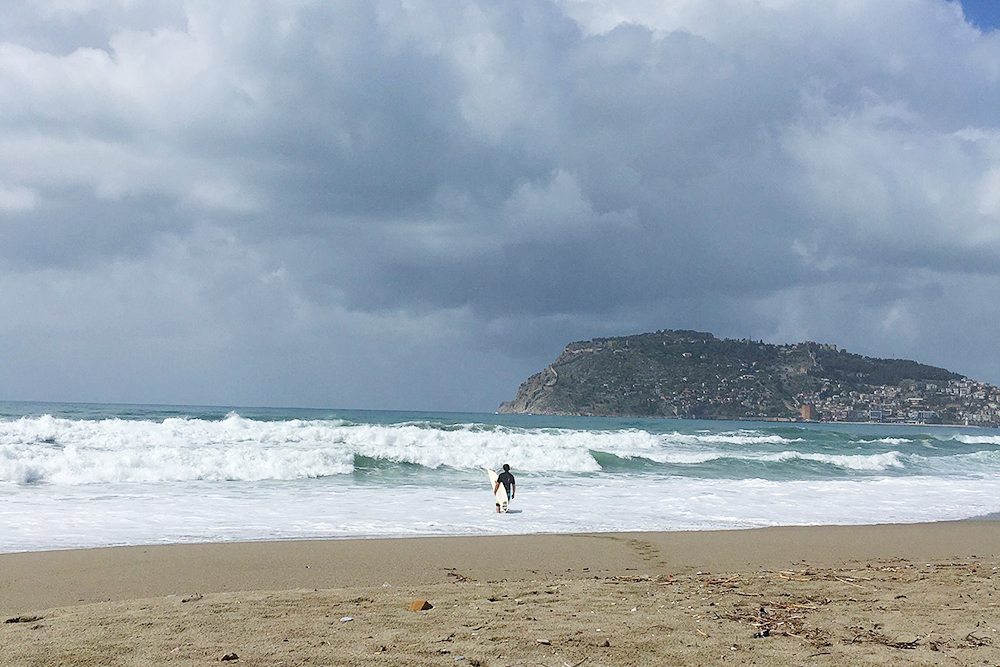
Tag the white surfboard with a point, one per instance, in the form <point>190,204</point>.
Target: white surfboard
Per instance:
<point>501,493</point>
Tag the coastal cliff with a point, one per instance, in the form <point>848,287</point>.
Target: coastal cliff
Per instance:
<point>693,374</point>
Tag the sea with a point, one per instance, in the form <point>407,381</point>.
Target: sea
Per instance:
<point>80,475</point>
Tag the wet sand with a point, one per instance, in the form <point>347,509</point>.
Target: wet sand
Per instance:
<point>831,595</point>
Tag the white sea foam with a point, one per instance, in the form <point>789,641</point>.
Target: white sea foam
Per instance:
<point>869,462</point>
<point>882,461</point>
<point>319,509</point>
<point>69,452</point>
<point>72,483</point>
<point>64,451</point>
<point>740,438</point>
<point>978,439</point>
<point>894,441</point>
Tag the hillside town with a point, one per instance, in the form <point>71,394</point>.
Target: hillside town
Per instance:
<point>963,401</point>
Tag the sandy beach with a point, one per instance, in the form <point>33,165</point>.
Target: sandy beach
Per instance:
<point>858,595</point>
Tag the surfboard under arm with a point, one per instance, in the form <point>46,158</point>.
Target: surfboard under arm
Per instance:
<point>501,492</point>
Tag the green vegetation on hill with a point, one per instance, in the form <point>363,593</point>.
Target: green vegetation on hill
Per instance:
<point>693,374</point>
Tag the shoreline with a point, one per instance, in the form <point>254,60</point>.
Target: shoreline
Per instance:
<point>47,579</point>
<point>759,420</point>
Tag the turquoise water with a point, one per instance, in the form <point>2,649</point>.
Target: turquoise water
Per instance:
<point>91,475</point>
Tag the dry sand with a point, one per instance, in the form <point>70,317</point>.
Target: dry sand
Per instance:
<point>863,595</point>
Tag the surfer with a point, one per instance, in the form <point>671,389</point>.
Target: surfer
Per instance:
<point>507,480</point>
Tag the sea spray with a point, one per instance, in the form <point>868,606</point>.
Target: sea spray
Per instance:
<point>78,476</point>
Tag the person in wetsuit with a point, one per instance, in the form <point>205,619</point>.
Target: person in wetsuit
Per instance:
<point>507,480</point>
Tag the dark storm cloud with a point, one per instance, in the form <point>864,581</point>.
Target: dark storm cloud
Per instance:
<point>328,203</point>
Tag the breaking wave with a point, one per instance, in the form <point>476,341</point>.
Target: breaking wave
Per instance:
<point>46,449</point>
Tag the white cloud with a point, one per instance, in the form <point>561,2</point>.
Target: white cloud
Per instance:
<point>989,194</point>
<point>224,194</point>
<point>555,210</point>
<point>16,199</point>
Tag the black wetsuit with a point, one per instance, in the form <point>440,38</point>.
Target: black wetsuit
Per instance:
<point>507,480</point>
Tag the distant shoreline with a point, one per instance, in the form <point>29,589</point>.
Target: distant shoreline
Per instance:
<point>762,420</point>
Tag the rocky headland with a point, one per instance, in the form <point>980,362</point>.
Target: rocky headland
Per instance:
<point>691,374</point>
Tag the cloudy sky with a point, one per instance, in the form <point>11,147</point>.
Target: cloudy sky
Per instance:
<point>415,204</point>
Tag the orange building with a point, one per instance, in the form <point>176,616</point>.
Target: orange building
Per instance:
<point>809,413</point>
